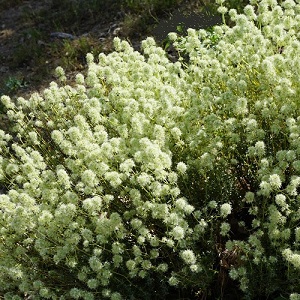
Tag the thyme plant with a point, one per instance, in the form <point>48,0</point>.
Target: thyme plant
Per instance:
<point>148,176</point>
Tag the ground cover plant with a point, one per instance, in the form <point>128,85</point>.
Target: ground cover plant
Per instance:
<point>148,178</point>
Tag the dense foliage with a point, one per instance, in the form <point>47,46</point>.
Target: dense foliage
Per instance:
<point>149,176</point>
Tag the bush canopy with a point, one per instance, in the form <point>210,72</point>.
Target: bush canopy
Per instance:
<point>146,177</point>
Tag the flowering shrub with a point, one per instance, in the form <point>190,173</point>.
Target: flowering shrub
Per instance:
<point>148,176</point>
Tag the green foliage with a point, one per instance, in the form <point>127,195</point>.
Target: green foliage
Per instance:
<point>148,177</point>
<point>13,84</point>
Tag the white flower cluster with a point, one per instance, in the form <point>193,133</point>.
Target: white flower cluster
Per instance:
<point>93,157</point>
<point>245,96</point>
<point>126,175</point>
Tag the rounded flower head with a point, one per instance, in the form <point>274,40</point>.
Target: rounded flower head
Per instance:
<point>275,181</point>
<point>178,232</point>
<point>225,227</point>
<point>225,209</point>
<point>260,148</point>
<point>181,167</point>
<point>172,36</point>
<point>90,58</point>
<point>188,257</point>
<point>88,177</point>
<point>173,281</point>
<point>60,73</point>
